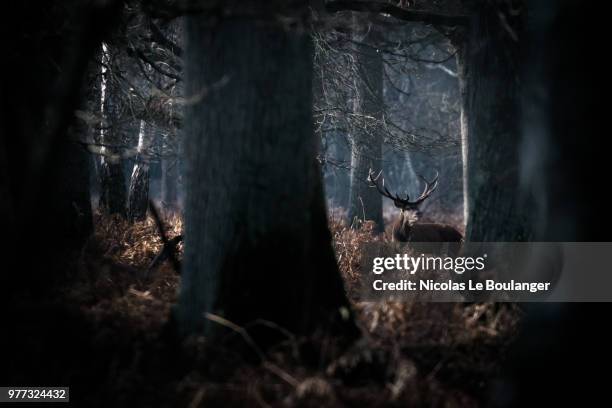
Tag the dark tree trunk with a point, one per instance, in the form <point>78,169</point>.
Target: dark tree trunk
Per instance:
<point>490,87</point>
<point>567,165</point>
<point>448,200</point>
<point>46,178</point>
<point>337,176</point>
<point>74,165</point>
<point>72,204</point>
<point>366,141</point>
<point>71,207</point>
<point>112,186</point>
<point>334,151</point>
<point>257,244</point>
<point>568,116</point>
<point>43,169</point>
<point>138,197</point>
<point>172,151</point>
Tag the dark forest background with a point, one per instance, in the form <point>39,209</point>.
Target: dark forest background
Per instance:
<point>184,194</point>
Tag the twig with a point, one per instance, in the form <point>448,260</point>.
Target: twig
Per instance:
<point>165,252</point>
<point>397,12</point>
<point>273,368</point>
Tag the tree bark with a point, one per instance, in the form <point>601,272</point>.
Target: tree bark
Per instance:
<point>366,141</point>
<point>113,194</point>
<point>113,191</point>
<point>138,198</point>
<point>337,177</point>
<point>257,244</point>
<point>489,69</point>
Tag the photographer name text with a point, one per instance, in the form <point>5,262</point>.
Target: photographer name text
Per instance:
<point>410,265</point>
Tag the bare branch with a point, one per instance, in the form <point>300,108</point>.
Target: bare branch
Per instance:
<point>397,12</point>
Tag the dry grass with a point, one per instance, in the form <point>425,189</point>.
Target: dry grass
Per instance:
<point>348,243</point>
<point>114,282</point>
<point>416,323</point>
<point>413,353</point>
<point>133,244</point>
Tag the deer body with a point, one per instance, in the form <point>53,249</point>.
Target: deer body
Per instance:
<point>405,229</point>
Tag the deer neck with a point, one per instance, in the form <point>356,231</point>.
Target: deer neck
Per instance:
<point>404,221</point>
<point>407,219</point>
<point>403,226</point>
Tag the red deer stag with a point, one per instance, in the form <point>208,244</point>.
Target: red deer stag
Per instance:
<point>406,228</point>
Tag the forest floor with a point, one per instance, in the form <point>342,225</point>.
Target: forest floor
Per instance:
<point>107,336</point>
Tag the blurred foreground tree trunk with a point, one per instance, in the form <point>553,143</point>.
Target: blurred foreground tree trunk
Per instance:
<point>72,205</point>
<point>43,167</point>
<point>566,164</point>
<point>257,244</point>
<point>365,203</point>
<point>489,70</point>
<point>138,197</point>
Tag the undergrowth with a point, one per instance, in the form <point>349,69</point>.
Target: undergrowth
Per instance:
<point>412,354</point>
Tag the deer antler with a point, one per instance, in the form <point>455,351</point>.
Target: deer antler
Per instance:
<point>384,191</point>
<point>430,186</point>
